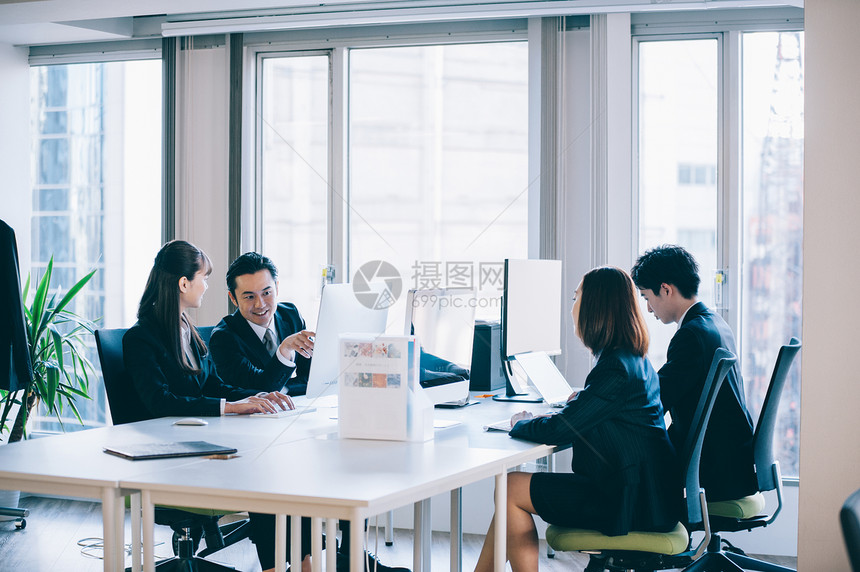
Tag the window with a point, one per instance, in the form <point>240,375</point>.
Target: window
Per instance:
<point>682,194</point>
<point>96,191</point>
<point>773,222</point>
<point>678,142</point>
<point>293,128</point>
<point>438,163</point>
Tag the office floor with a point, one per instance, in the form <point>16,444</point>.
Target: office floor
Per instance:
<point>57,528</point>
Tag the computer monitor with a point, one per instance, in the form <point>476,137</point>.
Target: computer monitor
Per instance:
<point>443,320</point>
<point>340,313</point>
<point>531,316</point>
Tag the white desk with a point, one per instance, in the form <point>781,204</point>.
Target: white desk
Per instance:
<point>338,479</point>
<point>348,479</point>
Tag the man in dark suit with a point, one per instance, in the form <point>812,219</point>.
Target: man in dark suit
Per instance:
<point>263,345</point>
<point>668,278</point>
<point>260,346</point>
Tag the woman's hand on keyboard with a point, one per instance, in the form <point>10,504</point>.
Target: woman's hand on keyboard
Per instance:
<point>522,415</point>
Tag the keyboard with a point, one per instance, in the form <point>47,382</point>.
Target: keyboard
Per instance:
<point>286,413</point>
<point>503,425</point>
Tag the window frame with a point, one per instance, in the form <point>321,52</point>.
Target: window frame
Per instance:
<point>338,43</point>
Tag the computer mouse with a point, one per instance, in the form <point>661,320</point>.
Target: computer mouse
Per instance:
<point>191,421</point>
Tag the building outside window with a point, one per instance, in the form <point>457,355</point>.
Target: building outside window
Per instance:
<point>96,196</point>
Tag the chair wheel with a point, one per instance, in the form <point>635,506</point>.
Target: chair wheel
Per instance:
<point>22,524</point>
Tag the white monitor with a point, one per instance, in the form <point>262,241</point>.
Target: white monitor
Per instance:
<point>443,320</point>
<point>531,317</point>
<point>531,307</point>
<point>340,313</point>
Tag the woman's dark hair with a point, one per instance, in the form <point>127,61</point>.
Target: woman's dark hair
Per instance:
<point>609,313</point>
<point>160,301</point>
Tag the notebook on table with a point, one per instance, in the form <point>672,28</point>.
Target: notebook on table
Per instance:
<point>140,451</point>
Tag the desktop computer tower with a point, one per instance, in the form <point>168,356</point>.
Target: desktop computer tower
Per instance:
<point>487,373</point>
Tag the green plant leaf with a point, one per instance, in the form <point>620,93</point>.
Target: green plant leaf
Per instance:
<point>37,309</point>
<point>50,396</point>
<point>57,339</point>
<point>73,291</point>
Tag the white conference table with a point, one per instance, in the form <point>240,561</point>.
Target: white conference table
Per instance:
<point>325,477</point>
<point>337,479</point>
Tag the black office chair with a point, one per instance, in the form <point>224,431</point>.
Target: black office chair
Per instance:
<point>850,518</point>
<point>189,525</point>
<point>657,550</point>
<point>745,513</point>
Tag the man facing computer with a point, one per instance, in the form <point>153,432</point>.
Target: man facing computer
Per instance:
<point>668,279</point>
<point>264,345</point>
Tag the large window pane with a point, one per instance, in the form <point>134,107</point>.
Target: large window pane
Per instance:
<point>96,157</point>
<point>294,156</point>
<point>438,163</point>
<point>678,142</point>
<point>773,222</point>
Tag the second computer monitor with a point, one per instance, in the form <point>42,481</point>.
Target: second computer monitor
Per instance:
<point>531,307</point>
<point>443,320</point>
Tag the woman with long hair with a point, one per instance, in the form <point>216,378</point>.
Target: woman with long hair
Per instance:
<point>164,354</point>
<point>625,475</point>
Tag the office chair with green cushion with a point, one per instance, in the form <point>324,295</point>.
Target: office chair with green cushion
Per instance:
<point>849,516</point>
<point>746,513</point>
<point>658,550</point>
<point>188,524</point>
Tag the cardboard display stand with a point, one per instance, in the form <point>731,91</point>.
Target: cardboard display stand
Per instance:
<point>379,393</point>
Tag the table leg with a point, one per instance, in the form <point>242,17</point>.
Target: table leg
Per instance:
<point>135,532</point>
<point>501,533</point>
<point>109,528</point>
<point>280,543</point>
<point>316,545</point>
<point>457,530</point>
<point>550,468</point>
<point>389,528</point>
<point>119,523</point>
<point>356,542</point>
<point>148,510</point>
<point>422,531</point>
<point>331,544</point>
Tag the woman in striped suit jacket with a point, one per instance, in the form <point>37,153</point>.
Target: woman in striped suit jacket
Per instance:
<point>625,474</point>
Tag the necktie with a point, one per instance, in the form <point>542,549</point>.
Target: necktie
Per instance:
<point>269,342</point>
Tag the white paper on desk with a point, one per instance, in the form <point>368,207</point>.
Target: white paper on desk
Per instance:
<point>375,373</point>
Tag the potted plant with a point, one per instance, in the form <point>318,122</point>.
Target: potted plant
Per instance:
<point>61,370</point>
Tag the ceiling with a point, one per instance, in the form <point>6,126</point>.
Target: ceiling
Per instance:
<point>34,22</point>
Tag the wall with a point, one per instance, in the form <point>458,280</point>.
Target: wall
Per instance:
<point>830,392</point>
<point>201,165</point>
<point>15,147</point>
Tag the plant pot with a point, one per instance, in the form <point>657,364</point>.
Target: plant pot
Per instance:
<point>9,499</point>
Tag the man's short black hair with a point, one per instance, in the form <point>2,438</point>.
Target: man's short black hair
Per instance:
<point>249,263</point>
<point>667,264</point>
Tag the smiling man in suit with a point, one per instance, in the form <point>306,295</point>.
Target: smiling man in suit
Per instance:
<point>263,345</point>
<point>260,346</point>
<point>668,279</point>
